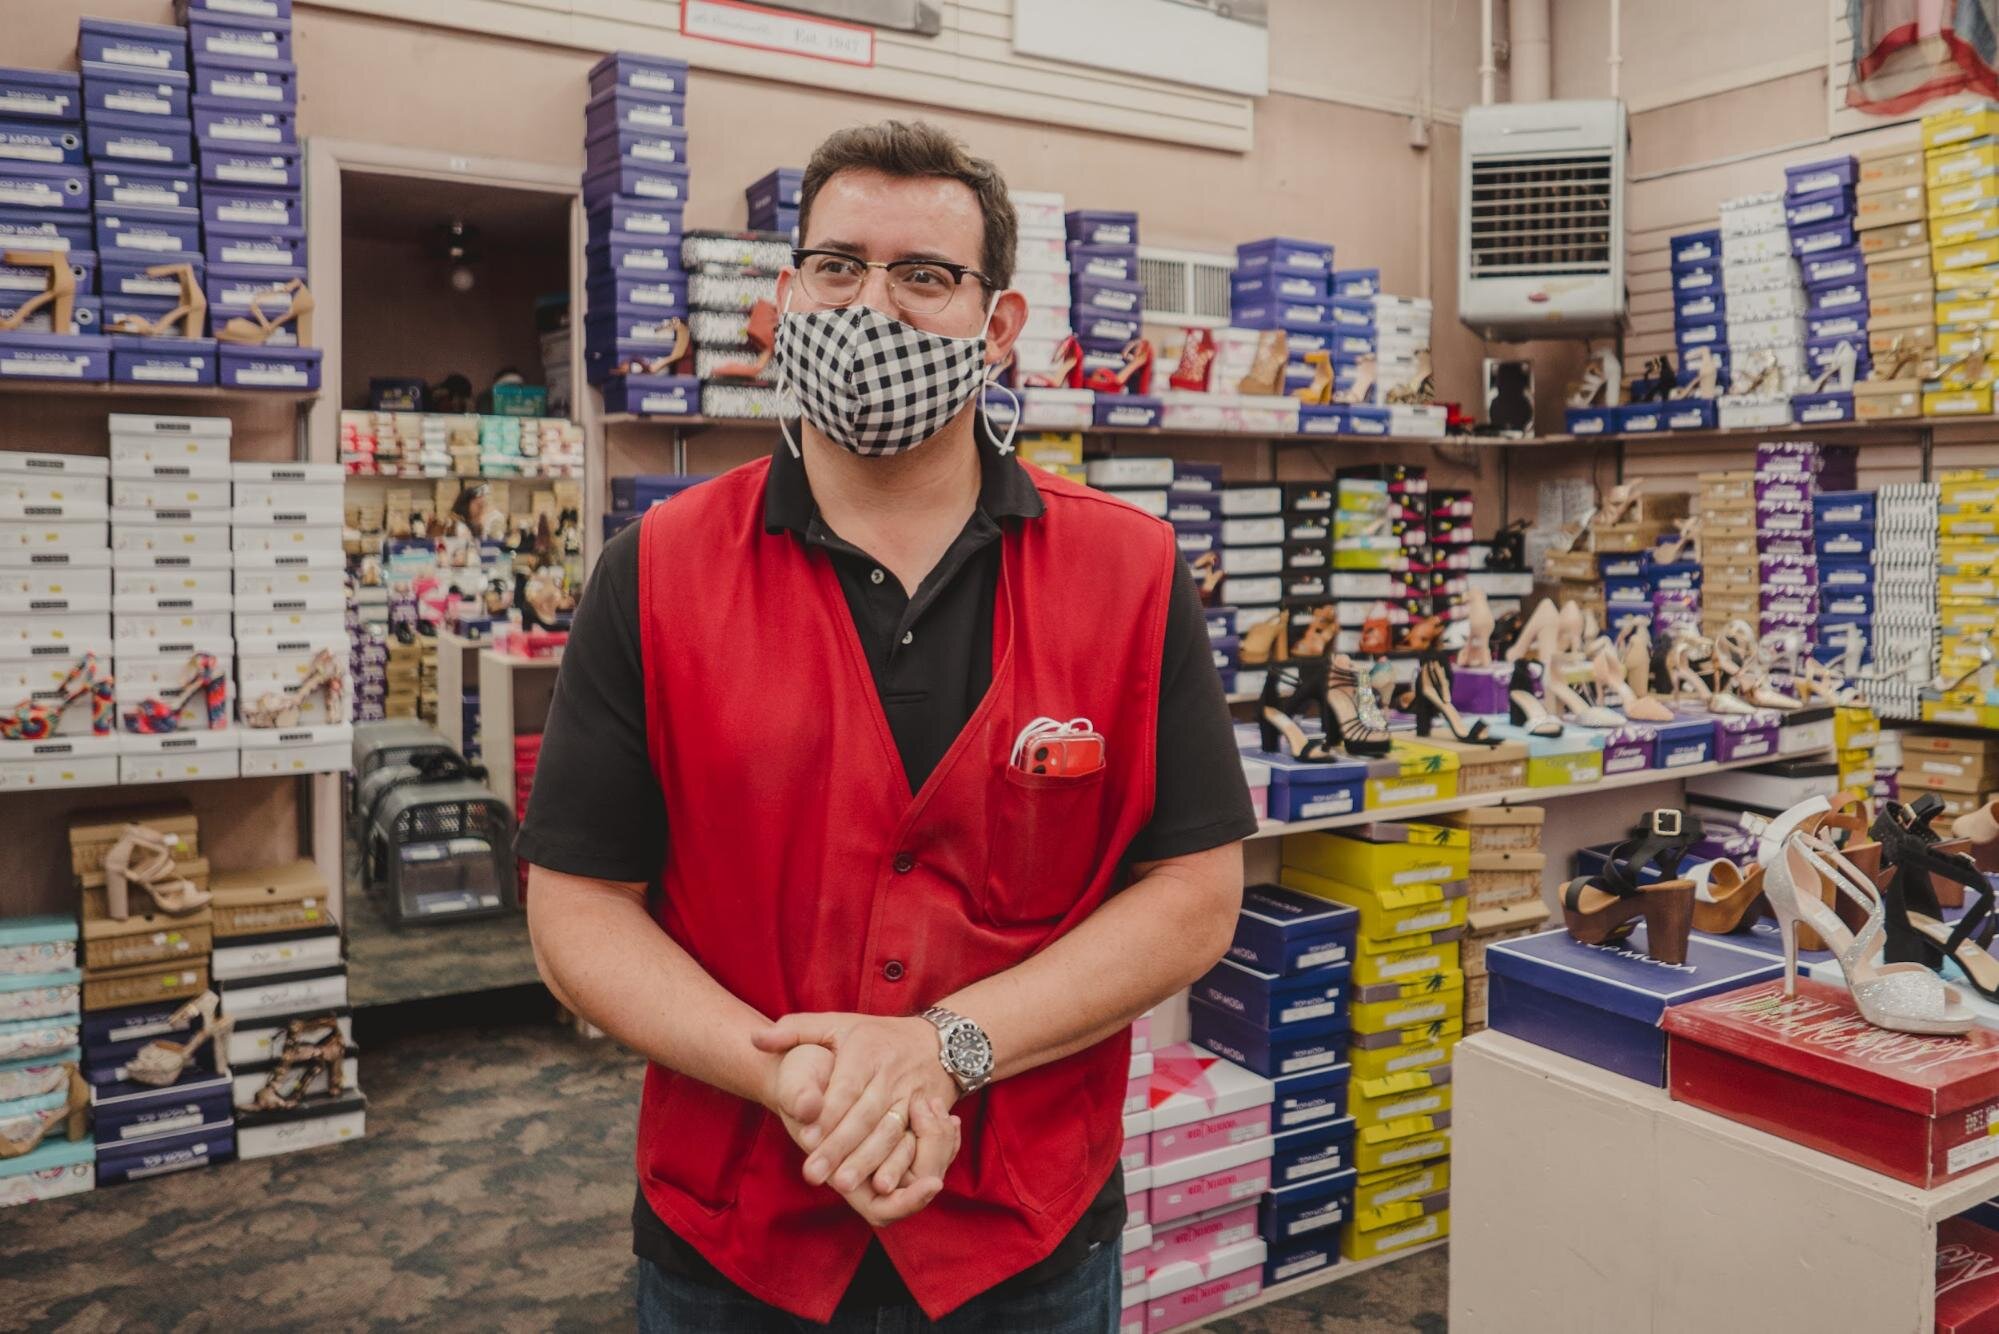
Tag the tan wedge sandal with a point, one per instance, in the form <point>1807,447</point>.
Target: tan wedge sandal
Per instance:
<point>159,1063</point>
<point>141,857</point>
<point>23,1133</point>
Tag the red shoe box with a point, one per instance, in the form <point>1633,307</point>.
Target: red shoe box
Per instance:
<point>1920,1109</point>
<point>1967,1278</point>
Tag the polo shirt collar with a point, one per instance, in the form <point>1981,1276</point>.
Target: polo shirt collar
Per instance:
<point>1005,490</point>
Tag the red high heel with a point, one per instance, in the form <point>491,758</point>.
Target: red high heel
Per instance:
<point>33,721</point>
<point>763,340</point>
<point>205,680</point>
<point>1138,358</point>
<point>1197,361</point>
<point>1377,636</point>
<point>1066,373</point>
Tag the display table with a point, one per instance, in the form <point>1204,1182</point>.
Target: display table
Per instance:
<point>1583,1201</point>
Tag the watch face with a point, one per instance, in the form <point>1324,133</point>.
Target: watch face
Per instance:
<point>971,1052</point>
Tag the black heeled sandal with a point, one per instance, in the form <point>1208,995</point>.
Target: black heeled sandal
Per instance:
<point>1915,931</point>
<point>1509,548</point>
<point>1605,907</point>
<point>1341,700</point>
<point>1288,690</point>
<point>1433,701</point>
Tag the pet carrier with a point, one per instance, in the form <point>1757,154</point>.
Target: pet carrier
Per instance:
<point>440,845</point>
<point>385,745</point>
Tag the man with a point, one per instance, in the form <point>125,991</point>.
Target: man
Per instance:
<point>927,757</point>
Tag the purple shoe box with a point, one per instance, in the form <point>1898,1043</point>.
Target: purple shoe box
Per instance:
<point>1119,329</point>
<point>1106,354</point>
<point>1799,571</point>
<point>25,185</point>
<point>234,37</point>
<point>151,309</point>
<point>231,287</point>
<point>1113,263</point>
<point>1259,283</point>
<point>272,168</point>
<point>1813,409</point>
<point>32,229</point>
<point>1787,456</point>
<point>1783,518</point>
<point>1629,748</point>
<point>140,140</point>
<point>1322,419</point>
<point>1838,266</point>
<point>1836,324</point>
<point>26,281</point>
<point>624,255</point>
<point>1818,209</point>
<point>261,248</point>
<point>127,277</point>
<point>119,90</point>
<point>1287,255</point>
<point>1127,412</point>
<point>149,235</point>
<point>1344,343</point>
<point>628,109</point>
<point>145,187</point>
<point>1357,283</point>
<point>780,189</point>
<point>236,206</point>
<point>1103,227</point>
<point>267,367</point>
<point>1774,622</point>
<point>1836,298</point>
<point>181,362</point>
<point>1481,689</point>
<point>1354,314</point>
<point>147,46</point>
<point>658,292</point>
<point>1811,178</point>
<point>1819,353</point>
<point>637,221</point>
<point>1745,736</point>
<point>1779,490</point>
<point>1196,539</point>
<point>666,185</point>
<point>656,75</point>
<point>272,85</point>
<point>86,314</point>
<point>1783,544</point>
<point>1104,296</point>
<point>76,357</point>
<point>258,9</point>
<point>40,95</point>
<point>646,147</point>
<point>45,143</point>
<point>1820,239</point>
<point>636,325</point>
<point>1791,602</point>
<point>1279,314</point>
<point>224,122</point>
<point>653,395</point>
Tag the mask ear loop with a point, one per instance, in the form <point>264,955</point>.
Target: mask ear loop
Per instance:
<point>783,422</point>
<point>1004,446</point>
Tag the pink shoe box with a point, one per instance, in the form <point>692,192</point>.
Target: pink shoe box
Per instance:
<point>1188,1292</point>
<point>1139,1083</point>
<point>1137,1140</point>
<point>1137,1243</point>
<point>1227,1175</point>
<point>1131,1320</point>
<point>1195,1239</point>
<point>1141,1032</point>
<point>1202,1103</point>
<point>1137,1196</point>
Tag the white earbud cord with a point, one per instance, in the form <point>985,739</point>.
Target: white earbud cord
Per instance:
<point>1041,729</point>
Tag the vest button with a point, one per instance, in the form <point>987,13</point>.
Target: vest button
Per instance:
<point>892,970</point>
<point>903,863</point>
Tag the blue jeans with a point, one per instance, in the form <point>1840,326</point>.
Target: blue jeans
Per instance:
<point>1084,1301</point>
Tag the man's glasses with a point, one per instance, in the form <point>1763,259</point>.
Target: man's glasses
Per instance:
<point>917,286</point>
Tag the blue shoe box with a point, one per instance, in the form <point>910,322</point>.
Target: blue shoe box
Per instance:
<point>1196,539</point>
<point>1846,604</point>
<point>1288,931</point>
<point>1107,296</point>
<point>1284,254</point>
<point>1278,1003</point>
<point>1845,575</point>
<point>86,314</point>
<point>1820,239</point>
<point>1697,278</point>
<point>1840,507</point>
<point>665,185</point>
<point>1354,314</point>
<point>1357,283</point>
<point>1348,343</point>
<point>30,281</point>
<point>1814,409</point>
<point>1311,1152</point>
<point>28,185</point>
<point>1818,209</point>
<point>1836,325</point>
<point>655,292</point>
<point>1303,790</point>
<point>46,143</point>
<point>145,187</point>
<point>144,140</point>
<point>270,85</point>
<point>1685,741</point>
<point>1322,419</point>
<point>279,368</point>
<point>1118,329</point>
<point>1257,284</point>
<point>1690,248</point>
<point>653,395</point>
<point>1835,266</point>
<point>640,493</point>
<point>128,1111</point>
<point>1127,412</point>
<point>251,127</point>
<point>1291,1214</point>
<point>241,206</point>
<point>1710,333</point>
<point>257,166</point>
<point>1592,421</point>
<point>1835,298</point>
<point>1364,419</point>
<point>1691,414</point>
<point>1279,314</point>
<point>1283,1263</point>
<point>256,247</point>
<point>146,46</point>
<point>1812,177</point>
<point>181,362</point>
<point>644,326</point>
<point>120,90</point>
<point>1819,353</point>
<point>1114,263</point>
<point>181,1151</point>
<point>632,109</point>
<point>627,255</point>
<point>231,287</point>
<point>1316,1097</point>
<point>1095,227</point>
<point>237,36</point>
<point>657,75</point>
<point>76,357</point>
<point>1844,541</point>
<point>1641,418</point>
<point>783,188</point>
<point>1602,1004</point>
<point>638,220</point>
<point>1700,308</point>
<point>147,235</point>
<point>32,229</point>
<point>774,220</point>
<point>1317,1046</point>
<point>647,147</point>
<point>41,95</point>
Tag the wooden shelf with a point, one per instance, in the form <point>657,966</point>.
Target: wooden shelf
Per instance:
<point>70,389</point>
<point>1513,796</point>
<point>1323,1278</point>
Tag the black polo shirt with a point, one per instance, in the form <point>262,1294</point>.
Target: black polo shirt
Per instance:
<point>596,808</point>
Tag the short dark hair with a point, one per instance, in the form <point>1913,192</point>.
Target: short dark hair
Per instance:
<point>915,148</point>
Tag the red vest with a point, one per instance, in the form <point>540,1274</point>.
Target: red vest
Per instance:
<point>803,875</point>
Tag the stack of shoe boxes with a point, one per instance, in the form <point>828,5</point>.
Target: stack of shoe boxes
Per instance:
<point>173,597</point>
<point>1960,771</point>
<point>367,665</point>
<point>1506,868</point>
<point>1819,210</point>
<point>291,602</point>
<point>41,1028</point>
<point>1278,1005</point>
<point>1136,1163</point>
<point>1106,310</point>
<point>1961,160</point>
<point>1282,283</point>
<point>1194,508</point>
<point>402,677</point>
<point>732,292</point>
<point>1765,312</point>
<point>1911,579</point>
<point>1729,571</point>
<point>1968,605</point>
<point>1402,363</point>
<point>1409,884</point>
<point>1308,581</point>
<point>1787,556</point>
<point>56,650</point>
<point>1383,567</point>
<point>1700,320</point>
<point>772,203</point>
<point>1891,209</point>
<point>635,190</point>
<point>1041,273</point>
<point>1843,541</point>
<point>1249,564</point>
<point>47,194</point>
<point>245,101</point>
<point>138,972</point>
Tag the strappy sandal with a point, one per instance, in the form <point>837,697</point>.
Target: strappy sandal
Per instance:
<point>153,872</point>
<point>160,1062</point>
<point>303,1060</point>
<point>1725,899</point>
<point>1289,690</point>
<point>1606,907</point>
<point>22,1132</point>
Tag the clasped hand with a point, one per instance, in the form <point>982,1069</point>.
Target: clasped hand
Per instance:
<point>867,1100</point>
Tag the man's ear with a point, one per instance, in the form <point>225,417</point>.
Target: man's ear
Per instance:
<point>1009,318</point>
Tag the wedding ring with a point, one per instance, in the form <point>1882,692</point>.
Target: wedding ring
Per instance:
<point>897,1115</point>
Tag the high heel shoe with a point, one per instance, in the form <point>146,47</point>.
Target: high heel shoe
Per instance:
<point>1970,368</point>
<point>1903,997</point>
<point>1433,701</point>
<point>1524,708</point>
<point>1266,373</point>
<point>1343,687</point>
<point>313,1050</point>
<point>35,722</point>
<point>259,327</point>
<point>1067,371</point>
<point>1618,504</point>
<point>204,678</point>
<point>1706,368</point>
<point>1262,642</point>
<point>1533,631</point>
<point>1316,637</point>
<point>1289,690</point>
<point>1419,638</point>
<point>1728,659</point>
<point>1321,388</point>
<point>1836,376</point>
<point>160,1062</point>
<point>1197,361</point>
<point>1725,899</point>
<point>1982,658</point>
<point>1634,649</point>
<point>1377,634</point>
<point>1585,391</point>
<point>1207,571</point>
<point>761,331</point>
<point>58,291</point>
<point>1138,356</point>
<point>21,1132</point>
<point>1606,907</point>
<point>1752,373</point>
<point>1916,931</point>
<point>190,312</point>
<point>1562,697</point>
<point>1508,554</point>
<point>1673,550</point>
<point>1684,651</point>
<point>1609,671</point>
<point>676,362</point>
<point>280,708</point>
<point>1362,388</point>
<point>1418,388</point>
<point>1567,637</point>
<point>1477,651</point>
<point>1898,361</point>
<point>153,871</point>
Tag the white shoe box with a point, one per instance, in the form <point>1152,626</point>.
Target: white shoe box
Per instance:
<point>79,761</point>
<point>287,538</point>
<point>173,493</point>
<point>172,627</point>
<point>198,752</point>
<point>320,748</point>
<point>146,439</point>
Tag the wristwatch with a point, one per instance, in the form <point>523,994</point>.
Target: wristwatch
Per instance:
<point>963,1049</point>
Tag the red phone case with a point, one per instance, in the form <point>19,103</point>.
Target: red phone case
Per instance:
<point>1067,755</point>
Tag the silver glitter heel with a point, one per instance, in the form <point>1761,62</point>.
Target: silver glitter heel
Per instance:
<point>1905,997</point>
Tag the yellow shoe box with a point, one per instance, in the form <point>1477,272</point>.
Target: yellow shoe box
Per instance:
<point>1966,715</point>
<point>1977,523</point>
<point>1403,1143</point>
<point>1373,1102</point>
<point>1401,1184</point>
<point>1975,310</point>
<point>1046,449</point>
<point>1579,766</point>
<point>1957,127</point>
<point>1396,959</point>
<point>1970,255</point>
<point>1397,1227</point>
<point>1385,913</point>
<point>1401,1058</point>
<point>1384,865</point>
<point>1957,210</point>
<point>1975,401</point>
<point>1436,999</point>
<point>1420,773</point>
<point>1854,727</point>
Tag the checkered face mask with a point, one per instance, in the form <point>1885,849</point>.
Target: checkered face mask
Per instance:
<point>874,384</point>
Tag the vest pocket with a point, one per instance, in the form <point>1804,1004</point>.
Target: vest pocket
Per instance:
<point>716,1132</point>
<point>1046,835</point>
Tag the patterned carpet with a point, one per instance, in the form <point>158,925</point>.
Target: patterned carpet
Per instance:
<point>493,1192</point>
